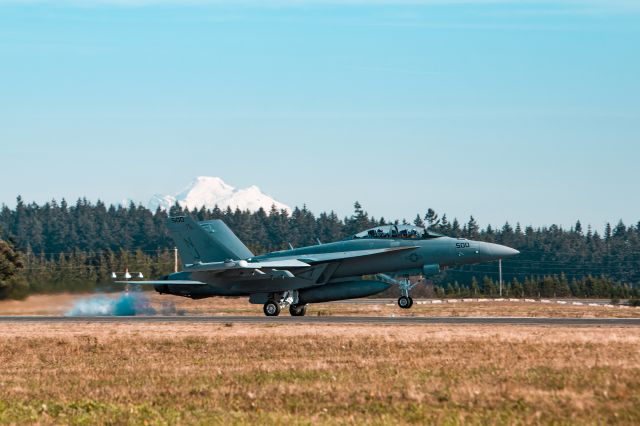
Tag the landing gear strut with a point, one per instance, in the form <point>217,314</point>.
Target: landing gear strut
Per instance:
<point>405,301</point>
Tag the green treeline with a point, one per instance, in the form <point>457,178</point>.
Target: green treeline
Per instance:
<point>65,247</point>
<point>550,286</point>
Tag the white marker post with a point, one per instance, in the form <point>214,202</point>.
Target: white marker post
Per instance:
<point>175,259</point>
<point>500,269</point>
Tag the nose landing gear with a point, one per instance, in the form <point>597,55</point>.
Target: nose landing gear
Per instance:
<point>405,301</point>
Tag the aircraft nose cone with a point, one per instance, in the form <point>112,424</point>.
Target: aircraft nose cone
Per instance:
<point>502,252</point>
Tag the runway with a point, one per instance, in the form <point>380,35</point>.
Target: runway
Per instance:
<point>287,320</point>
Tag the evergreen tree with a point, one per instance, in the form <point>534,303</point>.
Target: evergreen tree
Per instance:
<point>431,217</point>
<point>455,229</point>
<point>444,226</point>
<point>473,229</point>
<point>12,282</point>
<point>475,288</point>
<point>70,246</point>
<point>358,222</point>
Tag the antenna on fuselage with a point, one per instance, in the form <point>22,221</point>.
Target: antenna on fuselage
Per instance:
<point>290,246</point>
<point>319,242</point>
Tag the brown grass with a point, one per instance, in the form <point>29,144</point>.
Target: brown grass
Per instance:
<point>59,304</point>
<point>334,374</point>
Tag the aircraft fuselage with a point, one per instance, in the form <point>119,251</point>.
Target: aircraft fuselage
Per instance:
<point>428,255</point>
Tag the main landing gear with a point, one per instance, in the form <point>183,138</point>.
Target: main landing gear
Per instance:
<point>298,310</point>
<point>271,308</point>
<point>279,301</point>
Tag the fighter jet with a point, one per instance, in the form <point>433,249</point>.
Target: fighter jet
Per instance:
<point>217,263</point>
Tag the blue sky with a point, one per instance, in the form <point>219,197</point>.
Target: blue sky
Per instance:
<point>520,110</point>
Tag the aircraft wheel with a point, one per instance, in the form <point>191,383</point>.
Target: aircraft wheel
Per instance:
<point>405,302</point>
<point>271,309</point>
<point>298,310</point>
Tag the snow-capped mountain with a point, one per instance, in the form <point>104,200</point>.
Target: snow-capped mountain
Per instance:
<point>211,191</point>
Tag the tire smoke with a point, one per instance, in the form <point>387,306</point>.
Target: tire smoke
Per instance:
<point>126,304</point>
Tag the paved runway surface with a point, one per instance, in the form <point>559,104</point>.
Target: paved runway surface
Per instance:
<point>388,301</point>
<point>592,322</point>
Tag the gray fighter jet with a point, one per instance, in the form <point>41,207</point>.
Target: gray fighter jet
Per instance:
<point>217,263</point>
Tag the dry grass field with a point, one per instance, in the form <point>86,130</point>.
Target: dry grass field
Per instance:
<point>59,304</point>
<point>194,373</point>
<point>88,373</point>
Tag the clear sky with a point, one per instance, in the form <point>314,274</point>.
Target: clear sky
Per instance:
<point>519,110</point>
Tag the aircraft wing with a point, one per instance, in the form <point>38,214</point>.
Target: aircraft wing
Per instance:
<point>278,268</point>
<point>307,259</point>
<point>243,264</point>
<point>274,270</point>
<point>330,257</point>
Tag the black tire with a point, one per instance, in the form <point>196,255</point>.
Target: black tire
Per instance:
<point>271,309</point>
<point>404,302</point>
<point>410,302</point>
<point>298,310</point>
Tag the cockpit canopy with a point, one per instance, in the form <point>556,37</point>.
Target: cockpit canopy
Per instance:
<point>408,232</point>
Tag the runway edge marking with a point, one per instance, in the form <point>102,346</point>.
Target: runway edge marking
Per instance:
<point>332,320</point>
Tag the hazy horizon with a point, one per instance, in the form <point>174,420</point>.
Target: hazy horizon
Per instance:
<point>410,218</point>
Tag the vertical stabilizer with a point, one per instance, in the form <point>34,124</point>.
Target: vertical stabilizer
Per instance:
<point>209,241</point>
